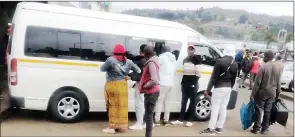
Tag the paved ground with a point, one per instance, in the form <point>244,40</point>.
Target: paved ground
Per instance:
<point>35,123</point>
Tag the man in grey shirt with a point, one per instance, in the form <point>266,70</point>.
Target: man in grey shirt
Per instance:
<point>266,89</point>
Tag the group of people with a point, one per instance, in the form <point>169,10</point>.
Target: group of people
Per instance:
<point>264,82</point>
<point>154,79</point>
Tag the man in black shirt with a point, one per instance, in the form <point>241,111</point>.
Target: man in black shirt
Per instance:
<point>189,85</point>
<point>223,79</point>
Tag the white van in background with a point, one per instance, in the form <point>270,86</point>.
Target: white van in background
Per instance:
<point>55,52</point>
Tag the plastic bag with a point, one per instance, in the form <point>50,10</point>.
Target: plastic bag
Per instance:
<point>247,114</point>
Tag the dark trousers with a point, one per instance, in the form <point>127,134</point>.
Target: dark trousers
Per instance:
<point>150,101</point>
<point>262,113</point>
<point>189,91</point>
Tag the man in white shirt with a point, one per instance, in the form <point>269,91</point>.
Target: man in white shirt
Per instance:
<point>167,71</point>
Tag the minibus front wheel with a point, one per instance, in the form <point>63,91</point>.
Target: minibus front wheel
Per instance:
<point>68,106</point>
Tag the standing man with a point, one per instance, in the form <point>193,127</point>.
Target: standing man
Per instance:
<point>239,59</point>
<point>139,98</point>
<point>149,85</point>
<point>246,65</point>
<point>266,89</point>
<point>167,71</point>
<point>189,86</point>
<point>222,79</point>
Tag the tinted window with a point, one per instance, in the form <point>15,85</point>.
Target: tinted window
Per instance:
<point>207,54</point>
<point>99,46</point>
<point>67,44</point>
<point>41,42</point>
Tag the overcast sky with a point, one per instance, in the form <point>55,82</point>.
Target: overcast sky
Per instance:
<point>270,8</point>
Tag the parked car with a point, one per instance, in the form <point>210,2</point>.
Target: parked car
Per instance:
<point>287,79</point>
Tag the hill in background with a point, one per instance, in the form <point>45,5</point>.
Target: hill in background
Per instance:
<point>223,23</point>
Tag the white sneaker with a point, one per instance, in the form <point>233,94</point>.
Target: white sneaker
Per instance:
<point>188,124</point>
<point>177,122</point>
<point>109,131</point>
<point>136,127</point>
<point>144,125</point>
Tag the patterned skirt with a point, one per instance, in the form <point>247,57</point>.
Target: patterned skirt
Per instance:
<point>116,97</point>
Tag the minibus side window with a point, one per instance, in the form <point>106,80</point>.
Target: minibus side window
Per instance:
<point>99,46</point>
<point>69,45</point>
<point>41,42</point>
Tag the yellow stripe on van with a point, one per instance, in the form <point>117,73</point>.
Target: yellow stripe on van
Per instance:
<point>57,62</point>
<point>203,72</point>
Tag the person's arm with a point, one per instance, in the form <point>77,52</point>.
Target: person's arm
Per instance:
<point>154,76</point>
<point>134,67</point>
<point>257,82</point>
<point>214,76</point>
<point>278,91</point>
<point>106,65</point>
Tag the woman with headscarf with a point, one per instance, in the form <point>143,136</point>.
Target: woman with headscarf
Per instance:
<point>117,68</point>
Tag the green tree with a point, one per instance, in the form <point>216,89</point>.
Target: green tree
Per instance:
<point>269,38</point>
<point>243,19</point>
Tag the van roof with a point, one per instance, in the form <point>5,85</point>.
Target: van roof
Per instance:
<point>102,15</point>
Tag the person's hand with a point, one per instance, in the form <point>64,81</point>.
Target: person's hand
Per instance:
<point>206,93</point>
<point>127,78</point>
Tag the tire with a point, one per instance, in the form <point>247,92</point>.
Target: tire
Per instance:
<point>203,108</point>
<point>70,100</point>
<point>291,86</point>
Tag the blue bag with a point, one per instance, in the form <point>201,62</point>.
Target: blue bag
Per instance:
<point>247,114</point>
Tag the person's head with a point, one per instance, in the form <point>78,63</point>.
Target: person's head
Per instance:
<point>278,58</point>
<point>141,49</point>
<point>268,56</point>
<point>119,52</point>
<point>247,53</point>
<point>191,50</point>
<point>148,52</point>
<point>229,51</point>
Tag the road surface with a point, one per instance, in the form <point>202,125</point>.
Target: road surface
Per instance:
<point>34,123</point>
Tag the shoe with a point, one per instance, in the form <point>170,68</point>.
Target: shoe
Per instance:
<point>250,88</point>
<point>136,127</point>
<point>166,123</point>
<point>159,123</point>
<point>177,122</point>
<point>264,132</point>
<point>254,131</point>
<point>243,86</point>
<point>218,130</point>
<point>144,125</point>
<point>240,87</point>
<point>188,124</point>
<point>208,131</point>
<point>109,131</point>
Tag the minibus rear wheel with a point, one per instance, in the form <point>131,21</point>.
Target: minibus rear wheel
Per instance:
<point>68,106</point>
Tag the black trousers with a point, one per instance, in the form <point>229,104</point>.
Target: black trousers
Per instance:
<point>150,101</point>
<point>262,113</point>
<point>189,91</point>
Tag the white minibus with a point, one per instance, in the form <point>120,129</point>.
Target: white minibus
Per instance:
<point>55,52</point>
